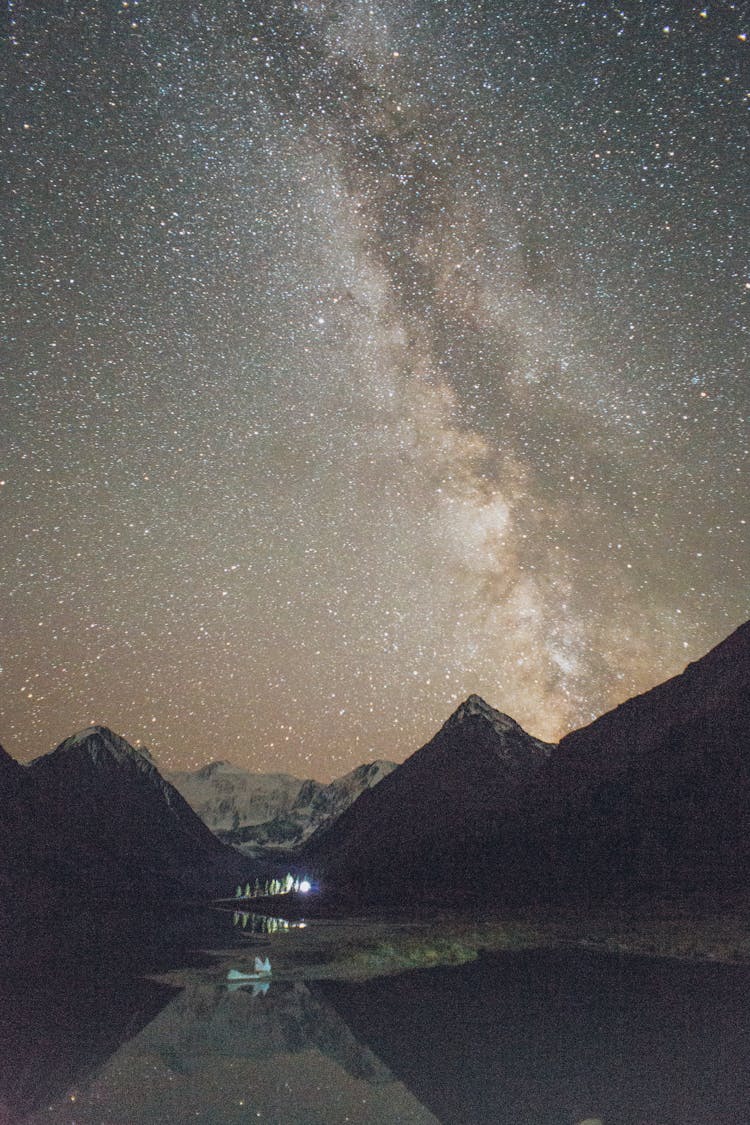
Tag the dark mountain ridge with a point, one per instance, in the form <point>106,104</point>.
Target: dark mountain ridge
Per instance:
<point>11,772</point>
<point>651,798</point>
<point>97,763</point>
<point>653,795</point>
<point>94,821</point>
<point>716,685</point>
<point>414,827</point>
<point>16,814</point>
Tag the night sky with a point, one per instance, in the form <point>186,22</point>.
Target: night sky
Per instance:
<point>359,356</point>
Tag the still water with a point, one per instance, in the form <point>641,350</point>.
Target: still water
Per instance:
<point>540,1037</point>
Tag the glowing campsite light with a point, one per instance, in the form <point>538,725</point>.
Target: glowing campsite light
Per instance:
<point>304,887</point>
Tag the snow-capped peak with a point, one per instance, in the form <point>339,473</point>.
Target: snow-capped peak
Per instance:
<point>82,735</point>
<point>215,767</point>
<point>507,730</point>
<point>475,706</point>
<point>96,739</point>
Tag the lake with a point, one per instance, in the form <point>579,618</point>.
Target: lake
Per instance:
<point>529,1037</point>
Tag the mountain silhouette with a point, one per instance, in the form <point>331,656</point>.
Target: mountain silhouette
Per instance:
<point>90,828</point>
<point>655,794</point>
<point>412,830</point>
<point>651,798</point>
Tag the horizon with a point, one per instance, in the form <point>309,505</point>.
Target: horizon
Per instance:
<point>165,767</point>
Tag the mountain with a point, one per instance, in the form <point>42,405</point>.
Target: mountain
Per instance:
<point>16,814</point>
<point>653,798</point>
<point>655,794</point>
<point>331,800</point>
<point>11,773</point>
<point>412,832</point>
<point>13,784</point>
<point>108,822</point>
<point>266,812</point>
<point>315,805</point>
<point>226,797</point>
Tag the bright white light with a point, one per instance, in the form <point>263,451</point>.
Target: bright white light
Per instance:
<point>304,887</point>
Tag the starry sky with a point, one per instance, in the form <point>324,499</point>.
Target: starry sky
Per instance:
<point>357,356</point>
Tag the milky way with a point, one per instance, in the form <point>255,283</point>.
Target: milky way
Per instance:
<point>360,356</point>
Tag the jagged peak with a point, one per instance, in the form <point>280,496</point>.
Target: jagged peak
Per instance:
<point>474,705</point>
<point>218,766</point>
<point>8,764</point>
<point>89,732</point>
<point>379,768</point>
<point>106,734</point>
<point>223,767</point>
<point>97,740</point>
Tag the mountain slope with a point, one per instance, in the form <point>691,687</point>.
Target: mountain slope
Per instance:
<point>331,800</point>
<point>265,812</point>
<point>226,797</point>
<point>413,830</point>
<point>107,820</point>
<point>654,795</point>
<point>16,815</point>
<point>11,773</point>
<point>652,798</point>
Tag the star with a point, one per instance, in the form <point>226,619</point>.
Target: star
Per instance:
<point>422,324</point>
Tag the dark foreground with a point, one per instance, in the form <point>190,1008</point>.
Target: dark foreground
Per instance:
<point>535,1033</point>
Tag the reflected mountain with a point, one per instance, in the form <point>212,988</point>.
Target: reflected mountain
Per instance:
<point>82,993</point>
<point>562,1037</point>
<point>65,941</point>
<point>228,1055</point>
<point>54,1035</point>
<point>542,1037</point>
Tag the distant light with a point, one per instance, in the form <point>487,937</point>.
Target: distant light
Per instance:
<point>304,887</point>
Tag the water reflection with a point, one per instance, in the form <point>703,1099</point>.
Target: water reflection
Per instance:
<point>225,1057</point>
<point>563,1038</point>
<point>262,924</point>
<point>257,988</point>
<point>533,1038</point>
<point>56,1034</point>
